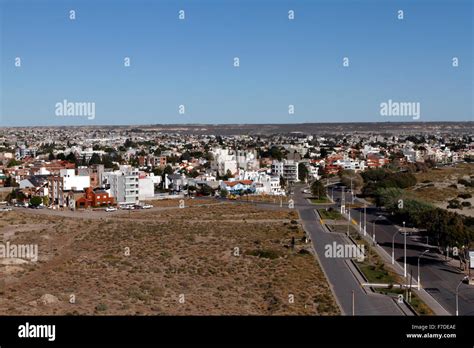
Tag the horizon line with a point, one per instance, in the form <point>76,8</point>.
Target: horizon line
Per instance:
<point>234,124</point>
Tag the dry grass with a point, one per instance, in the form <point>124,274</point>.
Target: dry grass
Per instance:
<point>440,185</point>
<point>445,174</point>
<point>175,252</point>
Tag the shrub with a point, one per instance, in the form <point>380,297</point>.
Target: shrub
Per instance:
<point>265,253</point>
<point>101,307</point>
<point>454,204</point>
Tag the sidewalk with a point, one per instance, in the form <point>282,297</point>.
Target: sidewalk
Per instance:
<point>424,296</point>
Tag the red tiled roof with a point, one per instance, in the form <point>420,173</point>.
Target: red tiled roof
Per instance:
<point>243,182</point>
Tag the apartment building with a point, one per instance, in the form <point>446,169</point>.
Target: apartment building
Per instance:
<point>122,184</point>
<point>224,160</point>
<point>287,169</point>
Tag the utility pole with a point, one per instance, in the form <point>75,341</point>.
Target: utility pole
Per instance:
<point>365,219</point>
<point>411,280</point>
<point>348,223</point>
<point>405,250</point>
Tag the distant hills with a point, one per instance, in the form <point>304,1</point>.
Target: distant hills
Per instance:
<point>306,128</point>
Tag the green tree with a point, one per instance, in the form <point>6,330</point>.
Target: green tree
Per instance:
<point>168,170</point>
<point>302,171</point>
<point>318,189</point>
<point>206,190</point>
<point>71,158</point>
<point>36,200</point>
<point>13,162</point>
<point>348,176</point>
<point>95,159</point>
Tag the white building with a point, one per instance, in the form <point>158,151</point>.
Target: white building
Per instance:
<point>287,169</point>
<point>264,183</point>
<point>350,164</point>
<point>60,186</point>
<point>146,187</point>
<point>123,184</point>
<point>410,154</point>
<point>230,160</point>
<point>224,161</point>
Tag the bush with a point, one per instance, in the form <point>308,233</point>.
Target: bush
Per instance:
<point>265,253</point>
<point>101,307</point>
<point>464,195</point>
<point>466,204</point>
<point>465,182</point>
<point>454,204</point>
<point>36,200</point>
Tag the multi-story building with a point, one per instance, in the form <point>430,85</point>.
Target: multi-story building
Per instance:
<point>94,198</point>
<point>22,151</point>
<point>287,169</point>
<point>146,186</point>
<point>264,183</point>
<point>122,184</point>
<point>67,181</point>
<point>224,161</point>
<point>95,173</point>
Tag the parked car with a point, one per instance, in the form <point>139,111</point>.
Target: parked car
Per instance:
<point>109,209</point>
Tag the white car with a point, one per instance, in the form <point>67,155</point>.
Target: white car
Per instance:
<point>147,206</point>
<point>109,209</point>
<point>6,209</point>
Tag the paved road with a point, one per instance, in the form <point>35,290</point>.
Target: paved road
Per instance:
<point>438,278</point>
<point>342,280</point>
<point>340,277</point>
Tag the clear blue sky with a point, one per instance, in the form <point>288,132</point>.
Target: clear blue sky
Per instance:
<point>190,62</point>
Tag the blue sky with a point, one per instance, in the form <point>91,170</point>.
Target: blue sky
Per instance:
<point>190,62</point>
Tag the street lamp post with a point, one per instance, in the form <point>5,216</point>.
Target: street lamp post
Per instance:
<point>457,295</point>
<point>404,251</point>
<point>365,219</point>
<point>373,228</point>
<point>348,222</point>
<point>419,257</point>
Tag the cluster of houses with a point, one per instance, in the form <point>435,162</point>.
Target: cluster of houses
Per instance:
<point>63,185</point>
<point>84,168</point>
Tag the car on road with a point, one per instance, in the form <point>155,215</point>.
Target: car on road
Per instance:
<point>109,209</point>
<point>6,209</point>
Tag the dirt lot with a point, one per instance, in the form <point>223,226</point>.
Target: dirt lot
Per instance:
<point>202,260</point>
